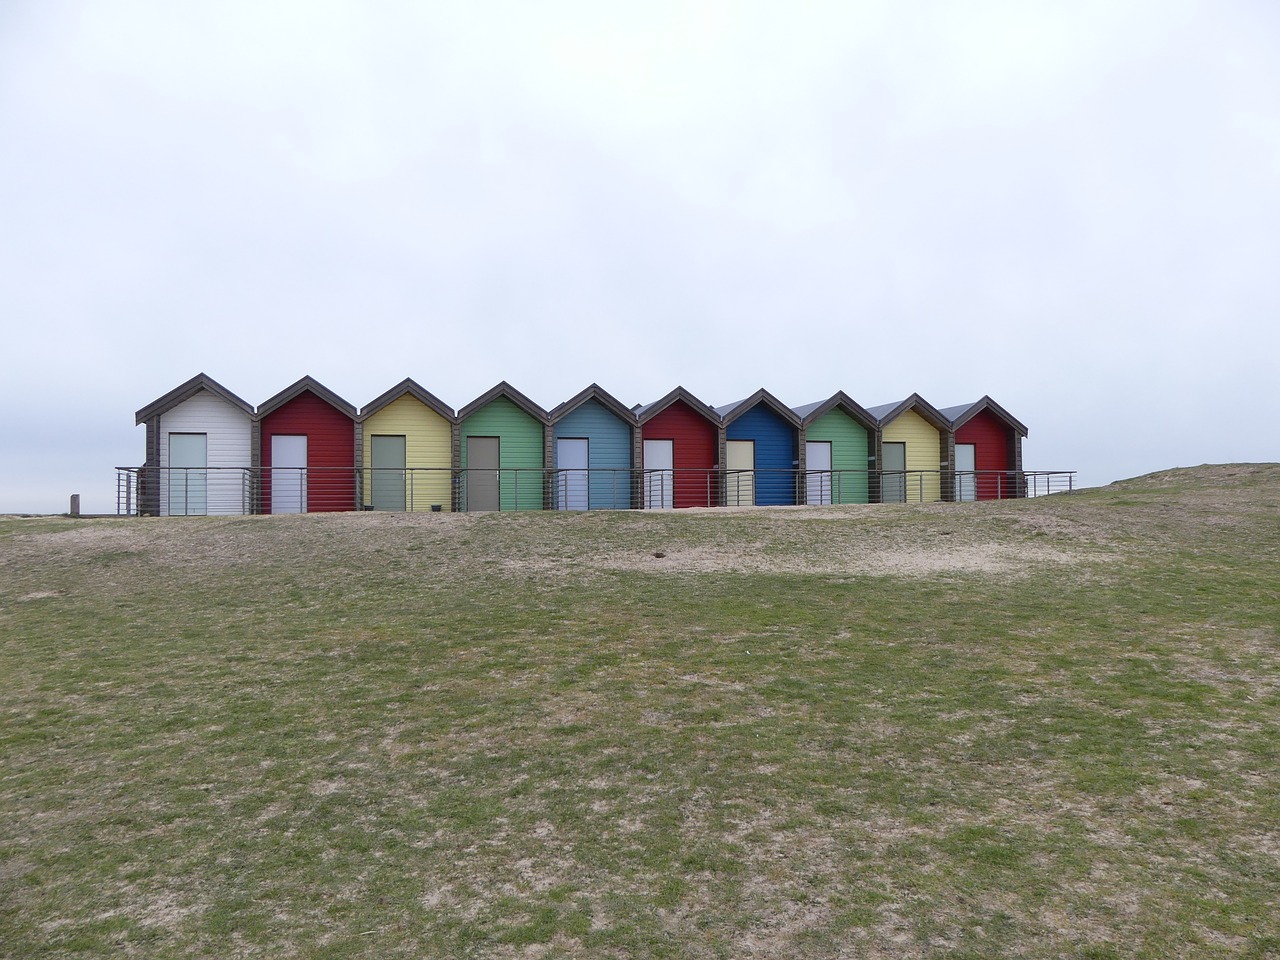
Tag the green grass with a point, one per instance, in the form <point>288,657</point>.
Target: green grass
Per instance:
<point>502,735</point>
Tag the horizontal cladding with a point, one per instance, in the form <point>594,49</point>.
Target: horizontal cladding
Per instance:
<point>609,449</point>
<point>331,481</point>
<point>991,440</point>
<point>923,454</point>
<point>428,447</point>
<point>228,432</point>
<point>850,449</point>
<point>693,452</point>
<point>775,442</point>
<point>521,450</point>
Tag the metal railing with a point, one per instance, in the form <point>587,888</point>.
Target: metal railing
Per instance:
<point>192,491</point>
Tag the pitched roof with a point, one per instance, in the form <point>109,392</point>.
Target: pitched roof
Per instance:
<point>732,411</point>
<point>839,400</point>
<point>963,413</point>
<point>504,389</point>
<point>184,392</point>
<point>601,396</point>
<point>888,412</point>
<point>408,386</point>
<point>648,411</point>
<point>306,385</point>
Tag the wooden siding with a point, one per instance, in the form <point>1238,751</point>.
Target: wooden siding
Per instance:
<point>610,449</point>
<point>522,448</point>
<point>696,441</point>
<point>923,453</point>
<point>776,454</point>
<point>427,447</point>
<point>993,442</point>
<point>227,429</point>
<point>331,480</point>
<point>849,451</point>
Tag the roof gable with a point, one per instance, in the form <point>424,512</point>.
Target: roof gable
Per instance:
<point>601,396</point>
<point>650,410</point>
<point>504,389</point>
<point>731,412</point>
<point>886,413</point>
<point>184,392</point>
<point>410,387</point>
<point>960,415</point>
<point>306,385</point>
<point>840,400</point>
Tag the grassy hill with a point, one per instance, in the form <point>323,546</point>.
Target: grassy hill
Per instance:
<point>1042,728</point>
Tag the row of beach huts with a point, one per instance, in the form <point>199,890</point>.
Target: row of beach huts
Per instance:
<point>307,449</point>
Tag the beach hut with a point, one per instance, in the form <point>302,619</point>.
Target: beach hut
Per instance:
<point>407,450</point>
<point>592,442</point>
<point>988,451</point>
<point>837,450</point>
<point>307,446</point>
<point>913,451</point>
<point>199,451</point>
<point>679,451</point>
<point>759,439</point>
<point>501,438</point>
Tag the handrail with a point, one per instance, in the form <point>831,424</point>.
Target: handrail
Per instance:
<point>190,491</point>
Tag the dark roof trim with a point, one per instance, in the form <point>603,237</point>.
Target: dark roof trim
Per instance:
<point>986,403</point>
<point>841,400</point>
<point>408,386</point>
<point>733,411</point>
<point>647,412</point>
<point>602,397</point>
<point>504,389</point>
<point>306,385</point>
<point>888,412</point>
<point>186,391</point>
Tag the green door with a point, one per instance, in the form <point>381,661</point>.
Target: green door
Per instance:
<point>188,479</point>
<point>387,482</point>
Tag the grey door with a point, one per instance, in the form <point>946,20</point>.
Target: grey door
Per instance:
<point>893,477</point>
<point>484,458</point>
<point>387,482</point>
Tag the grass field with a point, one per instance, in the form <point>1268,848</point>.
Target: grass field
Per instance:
<point>1043,728</point>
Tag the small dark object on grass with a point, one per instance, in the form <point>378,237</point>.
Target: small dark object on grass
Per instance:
<point>659,554</point>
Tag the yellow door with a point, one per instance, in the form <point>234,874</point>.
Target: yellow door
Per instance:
<point>740,477</point>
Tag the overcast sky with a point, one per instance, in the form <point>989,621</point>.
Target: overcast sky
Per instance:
<point>1072,207</point>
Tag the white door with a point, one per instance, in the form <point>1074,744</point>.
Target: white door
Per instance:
<point>659,474</point>
<point>288,474</point>
<point>573,456</point>
<point>966,464</point>
<point>188,479</point>
<point>817,479</point>
<point>740,475</point>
